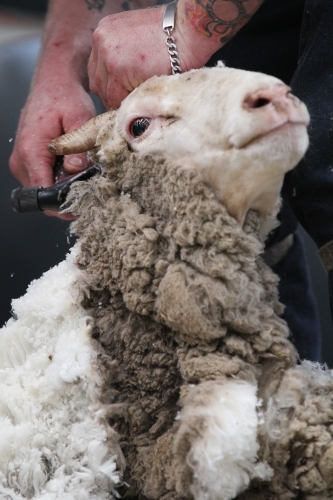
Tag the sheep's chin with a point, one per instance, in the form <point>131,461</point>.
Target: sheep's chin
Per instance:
<point>289,137</point>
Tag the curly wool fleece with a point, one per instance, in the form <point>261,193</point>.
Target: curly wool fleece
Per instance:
<point>183,305</point>
<point>176,359</point>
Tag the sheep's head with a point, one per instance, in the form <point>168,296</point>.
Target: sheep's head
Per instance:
<point>241,130</point>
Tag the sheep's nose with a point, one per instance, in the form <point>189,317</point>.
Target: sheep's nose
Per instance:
<point>279,94</point>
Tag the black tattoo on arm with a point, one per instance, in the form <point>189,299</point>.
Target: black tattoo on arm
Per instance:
<point>95,4</point>
<point>126,5</point>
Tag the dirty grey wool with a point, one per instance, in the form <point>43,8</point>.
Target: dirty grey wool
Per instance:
<point>179,295</point>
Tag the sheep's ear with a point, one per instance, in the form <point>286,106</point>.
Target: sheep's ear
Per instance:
<point>83,138</point>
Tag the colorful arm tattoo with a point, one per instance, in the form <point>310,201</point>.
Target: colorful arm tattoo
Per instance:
<point>220,19</point>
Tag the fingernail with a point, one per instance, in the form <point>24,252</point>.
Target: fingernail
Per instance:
<point>75,161</point>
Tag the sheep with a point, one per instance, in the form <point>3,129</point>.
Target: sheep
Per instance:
<point>179,369</point>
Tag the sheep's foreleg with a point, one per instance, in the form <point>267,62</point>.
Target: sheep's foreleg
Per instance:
<point>216,445</point>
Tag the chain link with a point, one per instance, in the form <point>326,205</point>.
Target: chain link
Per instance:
<point>173,53</point>
<point>168,25</point>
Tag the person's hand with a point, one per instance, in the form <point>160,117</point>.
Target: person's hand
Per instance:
<point>58,101</point>
<point>53,108</point>
<point>130,47</point>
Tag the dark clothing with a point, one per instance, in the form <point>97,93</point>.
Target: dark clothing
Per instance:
<point>32,6</point>
<point>311,183</point>
<point>269,43</point>
<point>296,293</point>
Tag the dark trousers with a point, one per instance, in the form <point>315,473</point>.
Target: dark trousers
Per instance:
<point>269,43</point>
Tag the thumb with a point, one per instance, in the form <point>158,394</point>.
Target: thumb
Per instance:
<point>76,162</point>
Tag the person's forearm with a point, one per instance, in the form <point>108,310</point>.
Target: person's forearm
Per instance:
<point>67,38</point>
<point>69,26</point>
<point>217,21</point>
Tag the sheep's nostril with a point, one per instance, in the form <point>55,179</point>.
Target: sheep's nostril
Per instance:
<point>254,102</point>
<point>259,103</point>
<point>275,94</point>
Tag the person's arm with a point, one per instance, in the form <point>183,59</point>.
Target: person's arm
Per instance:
<point>130,47</point>
<point>58,101</point>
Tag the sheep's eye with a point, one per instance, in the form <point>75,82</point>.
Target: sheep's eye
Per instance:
<point>139,126</point>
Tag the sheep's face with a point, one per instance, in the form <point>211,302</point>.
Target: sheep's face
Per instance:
<point>241,130</point>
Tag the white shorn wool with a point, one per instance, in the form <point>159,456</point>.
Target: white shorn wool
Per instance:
<point>55,442</point>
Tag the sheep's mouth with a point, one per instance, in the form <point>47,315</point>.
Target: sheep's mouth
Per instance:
<point>283,127</point>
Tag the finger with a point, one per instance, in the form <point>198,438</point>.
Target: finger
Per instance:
<point>97,73</point>
<point>75,163</point>
<point>116,93</point>
<point>106,105</point>
<point>18,169</point>
<point>98,78</point>
<point>91,68</point>
<point>52,213</point>
<point>32,167</point>
<point>41,171</point>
